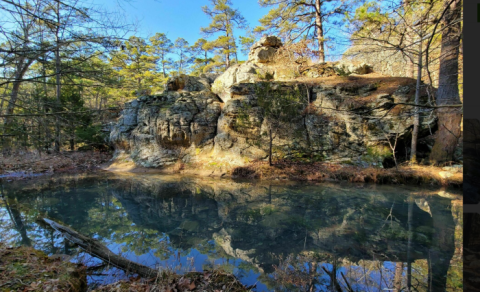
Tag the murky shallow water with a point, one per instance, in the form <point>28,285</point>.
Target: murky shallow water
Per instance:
<point>281,236</point>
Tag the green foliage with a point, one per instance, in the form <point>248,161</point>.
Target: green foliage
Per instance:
<point>91,136</point>
<point>280,105</point>
<point>183,52</point>
<point>298,19</point>
<point>265,76</point>
<point>136,66</point>
<point>247,41</point>
<point>160,47</point>
<point>377,154</point>
<point>223,20</point>
<point>201,60</point>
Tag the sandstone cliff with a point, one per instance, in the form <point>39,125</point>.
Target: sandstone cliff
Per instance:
<point>351,112</point>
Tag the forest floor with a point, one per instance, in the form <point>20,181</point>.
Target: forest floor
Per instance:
<point>27,269</point>
<point>405,174</point>
<point>25,165</point>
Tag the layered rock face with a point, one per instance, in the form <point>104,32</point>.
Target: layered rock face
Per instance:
<point>161,129</point>
<point>196,118</point>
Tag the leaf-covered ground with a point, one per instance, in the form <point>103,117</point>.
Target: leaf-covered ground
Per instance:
<point>215,281</point>
<point>28,164</point>
<point>27,269</point>
<point>426,175</point>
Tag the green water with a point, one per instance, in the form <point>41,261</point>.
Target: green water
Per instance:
<point>279,236</point>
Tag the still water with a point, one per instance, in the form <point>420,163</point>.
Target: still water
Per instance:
<point>279,236</point>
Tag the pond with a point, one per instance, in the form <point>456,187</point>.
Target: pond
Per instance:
<point>281,236</point>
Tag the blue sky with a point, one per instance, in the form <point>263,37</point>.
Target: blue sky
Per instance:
<point>183,18</point>
<point>179,18</point>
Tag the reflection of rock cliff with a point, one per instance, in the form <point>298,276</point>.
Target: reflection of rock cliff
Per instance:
<point>257,223</point>
<point>195,118</point>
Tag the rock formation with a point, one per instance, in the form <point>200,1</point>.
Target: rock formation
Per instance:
<point>195,118</point>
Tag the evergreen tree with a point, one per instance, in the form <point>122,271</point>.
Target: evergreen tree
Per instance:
<point>136,66</point>
<point>200,52</point>
<point>302,18</point>
<point>224,20</point>
<point>183,51</point>
<point>160,47</point>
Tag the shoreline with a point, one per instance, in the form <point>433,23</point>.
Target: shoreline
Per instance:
<point>449,176</point>
<point>87,162</point>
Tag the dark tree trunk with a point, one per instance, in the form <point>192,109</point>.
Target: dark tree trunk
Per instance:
<point>20,71</point>
<point>58,84</point>
<point>270,147</point>
<point>95,248</point>
<point>409,244</point>
<point>449,119</point>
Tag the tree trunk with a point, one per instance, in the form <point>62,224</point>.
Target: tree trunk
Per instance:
<point>95,248</point>
<point>319,25</point>
<point>410,68</point>
<point>163,66</point>
<point>449,119</point>
<point>57,78</point>
<point>416,118</point>
<point>270,148</point>
<point>398,277</point>
<point>20,71</point>
<point>409,244</point>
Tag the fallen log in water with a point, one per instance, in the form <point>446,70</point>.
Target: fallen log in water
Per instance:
<point>95,248</point>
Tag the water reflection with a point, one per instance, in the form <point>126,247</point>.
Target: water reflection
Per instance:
<point>284,237</point>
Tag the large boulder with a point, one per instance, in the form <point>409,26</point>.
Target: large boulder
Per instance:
<point>189,83</point>
<point>239,73</point>
<point>257,67</point>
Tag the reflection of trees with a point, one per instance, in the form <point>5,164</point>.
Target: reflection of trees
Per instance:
<point>372,236</point>
<point>17,221</point>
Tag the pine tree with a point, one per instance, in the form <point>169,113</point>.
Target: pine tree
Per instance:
<point>136,66</point>
<point>302,18</point>
<point>183,51</point>
<point>200,51</point>
<point>224,20</point>
<point>160,47</point>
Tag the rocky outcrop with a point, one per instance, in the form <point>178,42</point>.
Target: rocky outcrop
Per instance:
<point>257,67</point>
<point>159,130</point>
<point>264,50</point>
<point>197,118</point>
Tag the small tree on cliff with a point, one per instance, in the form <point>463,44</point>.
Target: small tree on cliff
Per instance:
<point>281,107</point>
<point>224,20</point>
